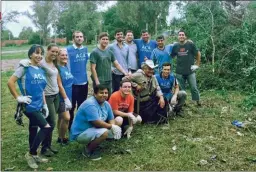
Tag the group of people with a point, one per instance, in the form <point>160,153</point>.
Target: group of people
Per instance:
<point>132,80</point>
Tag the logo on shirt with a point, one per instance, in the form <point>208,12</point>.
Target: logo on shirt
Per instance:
<point>80,57</point>
<point>146,48</point>
<point>68,75</point>
<point>38,78</point>
<point>183,52</point>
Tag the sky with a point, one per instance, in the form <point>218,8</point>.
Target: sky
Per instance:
<point>16,28</point>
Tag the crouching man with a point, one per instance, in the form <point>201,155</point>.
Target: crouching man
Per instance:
<point>148,93</point>
<point>170,88</point>
<point>122,103</point>
<point>94,123</point>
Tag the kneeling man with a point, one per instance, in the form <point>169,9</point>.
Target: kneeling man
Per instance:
<point>94,123</point>
<point>122,103</point>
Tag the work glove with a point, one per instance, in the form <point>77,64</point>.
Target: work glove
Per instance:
<point>132,117</point>
<point>174,100</point>
<point>194,68</point>
<point>138,119</point>
<point>25,62</point>
<point>128,131</point>
<point>117,131</point>
<point>24,99</point>
<point>68,104</point>
<point>45,111</point>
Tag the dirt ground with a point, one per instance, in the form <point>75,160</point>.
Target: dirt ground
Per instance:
<point>9,64</point>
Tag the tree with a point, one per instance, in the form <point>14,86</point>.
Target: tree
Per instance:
<point>25,33</point>
<point>78,15</point>
<point>139,14</point>
<point>8,17</point>
<point>42,16</point>
<point>5,35</point>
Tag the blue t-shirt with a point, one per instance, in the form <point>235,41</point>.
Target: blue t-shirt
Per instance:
<point>67,81</point>
<point>160,57</point>
<point>34,85</point>
<point>166,85</point>
<point>90,110</point>
<point>77,62</point>
<point>144,49</point>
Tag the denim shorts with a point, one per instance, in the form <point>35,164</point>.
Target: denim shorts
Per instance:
<point>91,134</point>
<point>62,108</point>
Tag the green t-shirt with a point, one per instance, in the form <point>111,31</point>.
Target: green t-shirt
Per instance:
<point>103,60</point>
<point>185,57</point>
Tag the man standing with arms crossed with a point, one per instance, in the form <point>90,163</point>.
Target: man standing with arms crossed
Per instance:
<point>186,52</point>
<point>77,61</point>
<point>121,53</point>
<point>145,46</point>
<point>133,55</point>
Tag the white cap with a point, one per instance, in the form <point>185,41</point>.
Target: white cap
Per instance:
<point>149,63</point>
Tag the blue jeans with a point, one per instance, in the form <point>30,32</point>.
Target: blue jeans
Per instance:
<point>192,84</point>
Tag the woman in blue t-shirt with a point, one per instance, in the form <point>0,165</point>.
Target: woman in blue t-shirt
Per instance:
<point>67,81</point>
<point>32,82</point>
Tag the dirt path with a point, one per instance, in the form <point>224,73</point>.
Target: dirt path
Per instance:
<point>9,64</point>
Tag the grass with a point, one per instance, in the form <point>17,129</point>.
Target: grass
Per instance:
<point>22,55</point>
<point>203,133</point>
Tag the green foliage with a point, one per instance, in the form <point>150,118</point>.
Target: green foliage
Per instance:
<point>224,37</point>
<point>34,38</point>
<point>80,15</point>
<point>43,16</point>
<point>5,34</point>
<point>25,33</point>
<point>135,15</point>
<point>249,102</point>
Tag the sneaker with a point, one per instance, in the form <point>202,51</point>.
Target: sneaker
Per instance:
<point>40,159</point>
<point>47,152</point>
<point>31,161</point>
<point>94,155</point>
<point>55,151</point>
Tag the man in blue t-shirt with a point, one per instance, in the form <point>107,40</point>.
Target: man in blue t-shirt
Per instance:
<point>170,89</point>
<point>145,47</point>
<point>77,61</point>
<point>161,54</point>
<point>94,123</point>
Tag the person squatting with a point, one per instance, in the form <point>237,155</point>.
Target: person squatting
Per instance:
<point>132,80</point>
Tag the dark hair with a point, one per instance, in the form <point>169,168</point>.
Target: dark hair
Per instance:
<point>123,81</point>
<point>97,88</point>
<point>35,48</point>
<point>160,37</point>
<point>182,31</point>
<point>77,31</point>
<point>143,31</point>
<point>103,34</point>
<point>128,31</point>
<point>118,30</point>
<point>166,64</point>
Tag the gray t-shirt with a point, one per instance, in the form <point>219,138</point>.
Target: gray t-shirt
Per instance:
<point>51,77</point>
<point>121,55</point>
<point>103,60</point>
<point>133,59</point>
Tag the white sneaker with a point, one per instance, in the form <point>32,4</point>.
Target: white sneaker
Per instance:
<point>31,161</point>
<point>39,159</point>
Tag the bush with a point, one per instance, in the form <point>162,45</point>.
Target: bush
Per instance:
<point>34,38</point>
<point>10,45</point>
